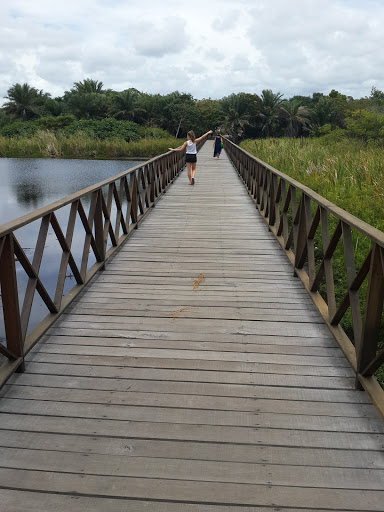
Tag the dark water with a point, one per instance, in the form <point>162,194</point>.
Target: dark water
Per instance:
<point>28,184</point>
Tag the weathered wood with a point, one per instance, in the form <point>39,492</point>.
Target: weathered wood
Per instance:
<point>127,430</point>
<point>178,401</point>
<point>72,377</point>
<point>192,491</point>
<point>210,371</point>
<point>14,501</point>
<point>10,303</point>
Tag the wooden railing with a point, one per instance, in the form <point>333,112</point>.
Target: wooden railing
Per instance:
<point>303,221</point>
<point>130,194</point>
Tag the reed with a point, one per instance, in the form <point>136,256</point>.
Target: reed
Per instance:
<point>45,144</point>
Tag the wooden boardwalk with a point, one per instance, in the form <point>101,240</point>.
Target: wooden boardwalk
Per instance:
<point>152,394</point>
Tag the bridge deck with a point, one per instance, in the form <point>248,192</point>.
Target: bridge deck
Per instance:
<point>151,396</point>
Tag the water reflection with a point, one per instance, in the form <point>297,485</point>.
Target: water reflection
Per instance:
<point>28,184</point>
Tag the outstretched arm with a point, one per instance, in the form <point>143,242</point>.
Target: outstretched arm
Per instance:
<point>202,137</point>
<point>179,148</point>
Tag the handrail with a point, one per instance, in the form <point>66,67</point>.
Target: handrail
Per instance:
<point>132,193</point>
<point>299,217</point>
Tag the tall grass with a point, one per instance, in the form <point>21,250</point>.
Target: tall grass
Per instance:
<point>348,173</point>
<point>79,145</point>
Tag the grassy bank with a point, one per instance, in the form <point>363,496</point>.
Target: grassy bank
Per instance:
<point>348,173</point>
<point>45,144</point>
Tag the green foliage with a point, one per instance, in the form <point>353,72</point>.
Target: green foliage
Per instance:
<point>239,115</point>
<point>19,128</point>
<point>296,116</point>
<point>237,110</point>
<point>125,105</point>
<point>180,114</point>
<point>105,129</point>
<point>88,105</point>
<point>152,132</point>
<point>55,123</point>
<point>88,86</point>
<point>24,102</point>
<point>210,114</point>
<point>269,111</point>
<point>55,107</point>
<point>365,125</point>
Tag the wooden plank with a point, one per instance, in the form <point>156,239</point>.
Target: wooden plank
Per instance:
<point>323,341</point>
<point>171,400</point>
<point>190,450</point>
<point>191,491</point>
<point>212,346</point>
<point>186,311</point>
<point>138,369</point>
<point>154,353</point>
<point>193,416</point>
<point>190,470</point>
<point>188,432</point>
<point>71,377</point>
<point>203,325</point>
<point>15,500</point>
<point>193,364</point>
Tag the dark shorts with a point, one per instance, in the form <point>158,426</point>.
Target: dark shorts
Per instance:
<point>190,159</point>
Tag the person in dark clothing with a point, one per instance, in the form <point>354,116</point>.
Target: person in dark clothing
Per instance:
<point>217,146</point>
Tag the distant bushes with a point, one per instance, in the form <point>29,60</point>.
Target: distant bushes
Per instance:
<point>109,128</point>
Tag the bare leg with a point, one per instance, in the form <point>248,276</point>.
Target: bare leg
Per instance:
<point>193,170</point>
<point>189,172</point>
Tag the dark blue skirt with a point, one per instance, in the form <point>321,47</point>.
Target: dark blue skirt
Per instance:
<point>217,148</point>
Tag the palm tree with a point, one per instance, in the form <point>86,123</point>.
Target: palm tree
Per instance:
<point>125,105</point>
<point>321,113</point>
<point>235,115</point>
<point>269,110</point>
<point>297,117</point>
<point>24,102</point>
<point>88,105</point>
<point>88,86</point>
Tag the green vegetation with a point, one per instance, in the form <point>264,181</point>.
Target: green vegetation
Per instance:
<point>350,173</point>
<point>81,145</point>
<point>103,113</point>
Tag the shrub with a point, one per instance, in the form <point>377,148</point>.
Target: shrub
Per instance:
<point>152,132</point>
<point>105,129</point>
<point>19,128</point>
<point>55,123</point>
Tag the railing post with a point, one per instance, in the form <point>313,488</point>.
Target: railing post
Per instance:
<point>366,346</point>
<point>10,300</point>
<point>133,189</point>
<point>152,195</point>
<point>99,227</point>
<point>301,237</point>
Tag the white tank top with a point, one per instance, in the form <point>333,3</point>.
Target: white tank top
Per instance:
<point>191,148</point>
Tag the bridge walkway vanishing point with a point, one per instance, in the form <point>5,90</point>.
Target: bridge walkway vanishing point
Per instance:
<point>193,374</point>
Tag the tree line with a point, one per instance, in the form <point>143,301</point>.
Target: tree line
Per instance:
<point>89,106</point>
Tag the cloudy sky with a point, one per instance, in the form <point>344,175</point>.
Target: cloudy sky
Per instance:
<point>210,48</point>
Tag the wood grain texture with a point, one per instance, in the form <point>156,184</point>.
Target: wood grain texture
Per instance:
<point>150,394</point>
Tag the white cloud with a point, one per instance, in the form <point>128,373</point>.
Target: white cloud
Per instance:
<point>208,49</point>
